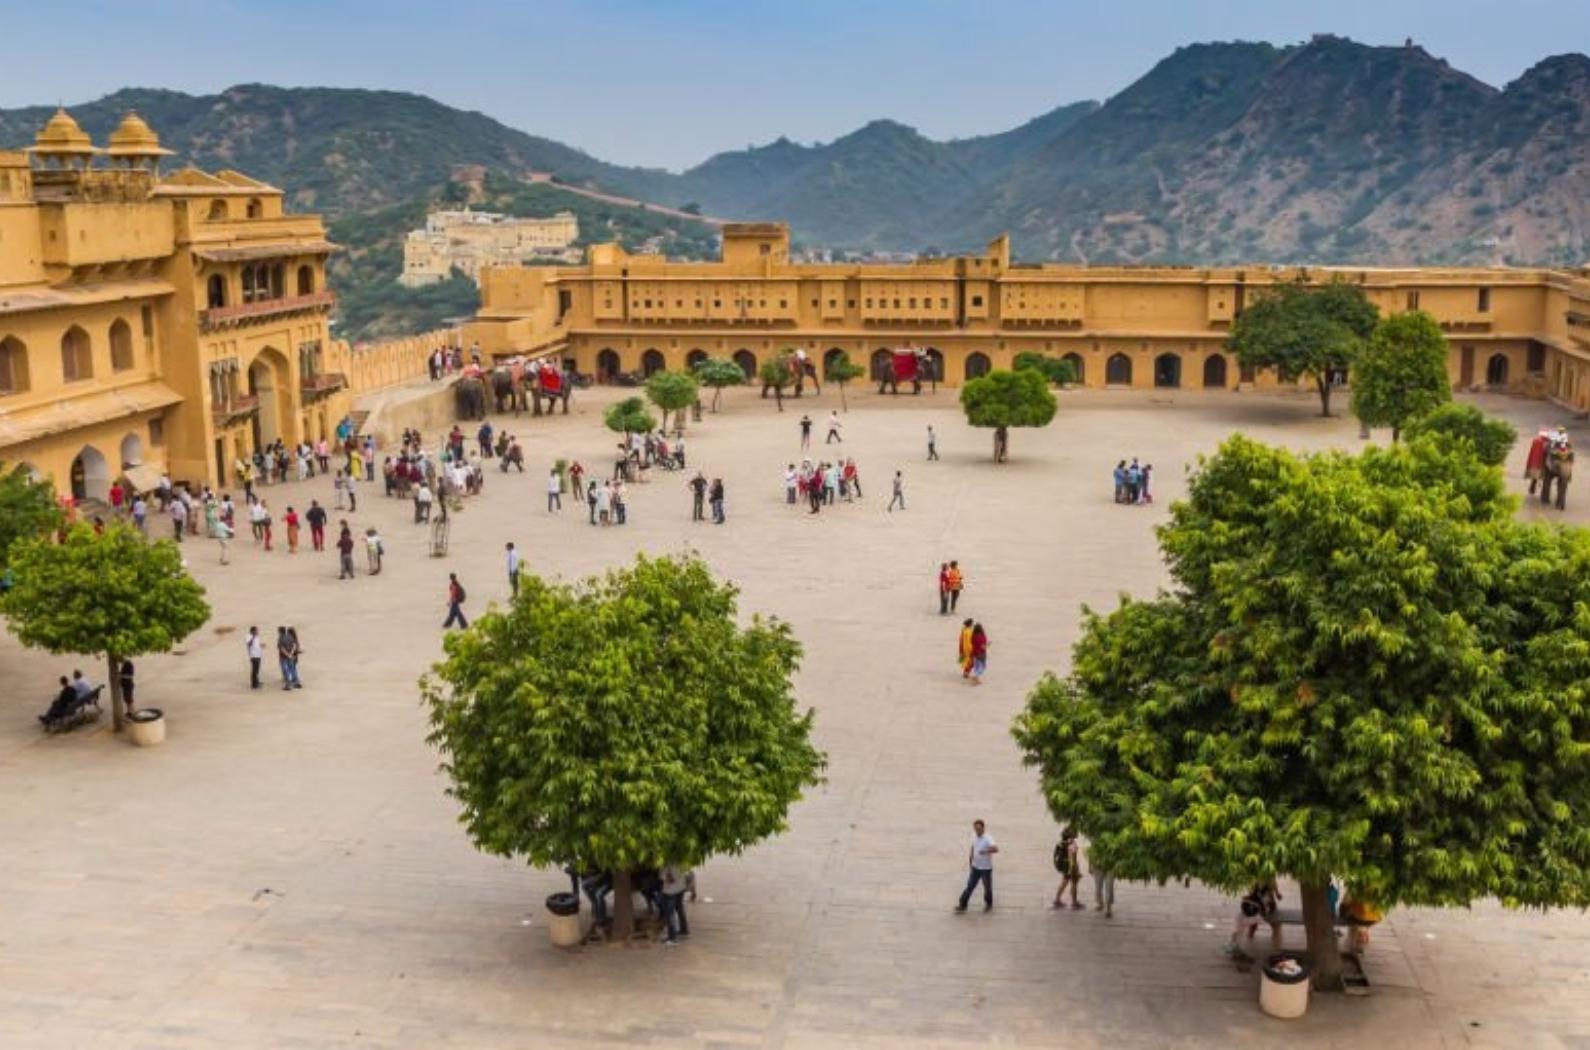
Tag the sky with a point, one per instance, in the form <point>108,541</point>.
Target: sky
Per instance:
<point>667,83</point>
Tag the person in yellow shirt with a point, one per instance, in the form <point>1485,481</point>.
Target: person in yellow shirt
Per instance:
<point>966,648</point>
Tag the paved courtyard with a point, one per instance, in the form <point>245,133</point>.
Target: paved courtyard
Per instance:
<point>286,872</point>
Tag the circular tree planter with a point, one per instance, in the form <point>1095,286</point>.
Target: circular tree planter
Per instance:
<point>147,726</point>
<point>1283,988</point>
<point>564,928</point>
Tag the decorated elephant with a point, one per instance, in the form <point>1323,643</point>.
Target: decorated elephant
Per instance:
<point>1550,460</point>
<point>906,366</point>
<point>800,369</point>
<point>545,381</point>
<point>469,395</point>
<point>507,387</point>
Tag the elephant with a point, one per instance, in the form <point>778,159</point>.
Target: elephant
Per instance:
<point>507,388</point>
<point>469,397</point>
<point>1558,468</point>
<point>800,370</point>
<point>910,365</point>
<point>551,384</point>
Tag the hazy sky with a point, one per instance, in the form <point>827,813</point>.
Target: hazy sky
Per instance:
<point>669,82</point>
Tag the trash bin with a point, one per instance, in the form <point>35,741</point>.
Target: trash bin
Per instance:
<point>1284,983</point>
<point>148,726</point>
<point>564,928</point>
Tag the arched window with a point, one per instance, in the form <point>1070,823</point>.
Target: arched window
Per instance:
<point>1496,370</point>
<point>882,365</point>
<point>77,357</point>
<point>977,365</point>
<point>13,366</point>
<point>1215,372</point>
<point>121,346</point>
<point>936,363</point>
<point>747,362</point>
<point>215,291</point>
<point>1078,367</point>
<point>1118,370</point>
<point>694,358</point>
<point>217,211</point>
<point>831,358</point>
<point>306,280</point>
<point>651,362</point>
<point>248,284</point>
<point>255,208</point>
<point>607,365</point>
<point>1167,370</point>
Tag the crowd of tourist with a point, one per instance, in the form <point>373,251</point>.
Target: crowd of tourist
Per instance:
<point>1131,482</point>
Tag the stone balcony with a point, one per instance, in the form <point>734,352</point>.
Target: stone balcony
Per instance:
<point>229,316</point>
<point>240,408</point>
<point>321,384</point>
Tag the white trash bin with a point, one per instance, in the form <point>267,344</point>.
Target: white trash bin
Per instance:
<point>564,925</point>
<point>1282,992</point>
<point>148,726</point>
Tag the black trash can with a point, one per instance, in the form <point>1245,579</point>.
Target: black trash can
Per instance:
<point>1284,984</point>
<point>563,904</point>
<point>564,928</point>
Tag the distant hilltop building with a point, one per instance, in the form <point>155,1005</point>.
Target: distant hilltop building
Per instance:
<point>468,240</point>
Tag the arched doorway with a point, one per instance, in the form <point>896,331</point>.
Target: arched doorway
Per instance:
<point>1496,370</point>
<point>267,381</point>
<point>1215,372</point>
<point>121,346</point>
<point>1167,370</point>
<point>606,365</point>
<point>132,451</point>
<point>694,358</point>
<point>90,475</point>
<point>651,362</point>
<point>882,365</point>
<point>831,357</point>
<point>747,362</point>
<point>1118,370</point>
<point>936,363</point>
<point>977,365</point>
<point>1078,367</point>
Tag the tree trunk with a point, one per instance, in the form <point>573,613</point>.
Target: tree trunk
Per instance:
<point>717,393</point>
<point>843,403</point>
<point>1323,383</point>
<point>623,906</point>
<point>1320,927</point>
<point>1396,432</point>
<point>118,709</point>
<point>1001,444</point>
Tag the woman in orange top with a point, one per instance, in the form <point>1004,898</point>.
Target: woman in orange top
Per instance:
<point>966,649</point>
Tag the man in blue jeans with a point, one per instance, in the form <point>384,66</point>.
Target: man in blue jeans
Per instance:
<point>981,859</point>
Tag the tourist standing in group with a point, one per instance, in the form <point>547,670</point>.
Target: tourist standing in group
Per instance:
<point>316,516</point>
<point>117,496</point>
<point>179,518</point>
<point>576,474</point>
<point>933,443</point>
<point>455,603</point>
<point>140,512</point>
<point>981,861</point>
<point>944,588</point>
<point>513,571</point>
<point>422,502</point>
<point>833,429</point>
<point>1068,862</point>
<point>791,484</point>
<point>290,519</point>
<point>369,457</point>
<point>956,580</point>
<point>554,491</point>
<point>806,432</point>
<point>963,649</point>
<point>351,485</point>
<point>221,532</point>
<point>339,487</point>
<point>483,435</point>
<point>373,550</point>
<point>899,492</point>
<point>698,497</point>
<point>345,551</point>
<point>715,497</point>
<point>979,654</point>
<point>263,516</point>
<point>256,652</point>
<point>675,880</point>
<point>287,652</point>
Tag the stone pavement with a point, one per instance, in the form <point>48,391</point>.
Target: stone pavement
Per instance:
<point>286,872</point>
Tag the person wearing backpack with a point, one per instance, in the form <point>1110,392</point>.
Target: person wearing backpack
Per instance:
<point>1068,862</point>
<point>455,603</point>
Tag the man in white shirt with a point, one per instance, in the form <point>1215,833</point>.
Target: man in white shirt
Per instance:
<point>554,491</point>
<point>513,570</point>
<point>256,651</point>
<point>833,429</point>
<point>981,858</point>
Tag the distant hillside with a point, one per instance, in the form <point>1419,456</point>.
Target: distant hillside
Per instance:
<point>1329,151</point>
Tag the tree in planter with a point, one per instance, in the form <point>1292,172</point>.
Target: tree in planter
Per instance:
<point>717,373</point>
<point>672,392</point>
<point>1401,373</point>
<point>1368,671</point>
<point>629,416</point>
<point>622,723</point>
<point>113,595</point>
<point>1492,439</point>
<point>840,371</point>
<point>1008,399</point>
<point>27,508</point>
<point>1301,329</point>
<point>774,374</point>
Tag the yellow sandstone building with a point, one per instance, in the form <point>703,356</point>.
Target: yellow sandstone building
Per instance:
<point>1520,330</point>
<point>153,324</point>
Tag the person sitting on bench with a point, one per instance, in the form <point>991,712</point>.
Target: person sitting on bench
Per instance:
<point>65,702</point>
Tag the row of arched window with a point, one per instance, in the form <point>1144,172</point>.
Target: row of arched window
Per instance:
<point>220,210</point>
<point>77,356</point>
<point>261,282</point>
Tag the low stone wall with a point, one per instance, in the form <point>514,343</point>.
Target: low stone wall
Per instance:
<point>377,366</point>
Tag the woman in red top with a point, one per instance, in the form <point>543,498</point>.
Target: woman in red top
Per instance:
<point>291,519</point>
<point>979,654</point>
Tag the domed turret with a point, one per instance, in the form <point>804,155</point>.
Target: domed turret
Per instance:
<point>135,145</point>
<point>61,143</point>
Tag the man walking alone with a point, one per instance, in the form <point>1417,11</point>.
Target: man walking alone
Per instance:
<point>513,571</point>
<point>899,492</point>
<point>981,859</point>
<point>455,603</point>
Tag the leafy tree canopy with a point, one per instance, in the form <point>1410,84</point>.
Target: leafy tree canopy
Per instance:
<point>1008,399</point>
<point>27,508</point>
<point>1368,670</point>
<point>1490,438</point>
<point>629,416</point>
<point>113,595</point>
<point>623,722</point>
<point>1302,329</point>
<point>717,373</point>
<point>1401,373</point>
<point>1056,370</point>
<point>672,392</point>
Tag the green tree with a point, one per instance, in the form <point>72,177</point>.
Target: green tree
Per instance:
<point>672,392</point>
<point>840,371</point>
<point>624,722</point>
<point>1301,329</point>
<point>1367,671</point>
<point>1008,399</point>
<point>112,595</point>
<point>775,376</point>
<point>27,508</point>
<point>717,373</point>
<point>1056,370</point>
<point>1401,373</point>
<point>1491,439</point>
<point>629,416</point>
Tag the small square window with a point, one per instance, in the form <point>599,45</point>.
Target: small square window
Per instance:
<point>977,300</point>
<point>1413,300</point>
<point>1484,303</point>
<point>852,303</point>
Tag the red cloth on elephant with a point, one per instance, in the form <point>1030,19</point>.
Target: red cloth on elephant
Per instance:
<point>551,381</point>
<point>1536,461</point>
<point>904,366</point>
